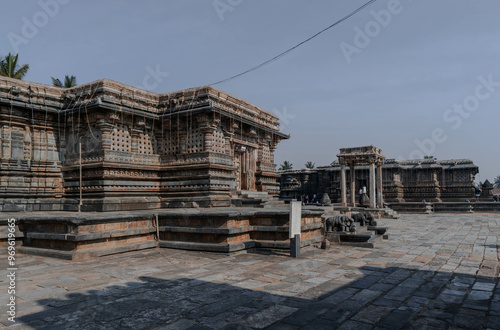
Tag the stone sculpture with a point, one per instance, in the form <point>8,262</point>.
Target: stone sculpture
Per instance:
<point>364,218</point>
<point>340,223</point>
<point>326,200</point>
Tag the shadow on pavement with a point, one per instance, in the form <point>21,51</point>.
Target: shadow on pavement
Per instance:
<point>390,298</point>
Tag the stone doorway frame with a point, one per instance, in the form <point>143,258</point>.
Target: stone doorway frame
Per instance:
<point>362,155</point>
<point>247,165</point>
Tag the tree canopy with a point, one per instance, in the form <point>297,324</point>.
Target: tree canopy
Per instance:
<point>286,166</point>
<point>69,81</point>
<point>310,165</point>
<point>496,182</point>
<point>10,68</point>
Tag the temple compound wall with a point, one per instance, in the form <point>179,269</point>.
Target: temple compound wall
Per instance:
<point>403,181</point>
<point>136,149</point>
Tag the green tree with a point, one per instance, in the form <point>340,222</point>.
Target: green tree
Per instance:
<point>286,166</point>
<point>69,81</point>
<point>310,165</point>
<point>496,182</point>
<point>10,68</point>
<point>429,157</point>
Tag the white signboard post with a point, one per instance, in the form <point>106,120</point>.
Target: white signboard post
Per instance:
<point>295,223</point>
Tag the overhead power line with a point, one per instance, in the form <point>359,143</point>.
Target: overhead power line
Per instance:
<point>296,46</point>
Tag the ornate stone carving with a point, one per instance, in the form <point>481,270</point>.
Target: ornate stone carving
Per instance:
<point>339,223</point>
<point>176,146</point>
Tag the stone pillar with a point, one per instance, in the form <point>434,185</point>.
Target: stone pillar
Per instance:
<point>372,186</point>
<point>106,129</point>
<point>343,187</point>
<point>352,168</point>
<point>1,142</point>
<point>380,197</point>
<point>228,150</point>
<point>207,137</point>
<point>272,149</point>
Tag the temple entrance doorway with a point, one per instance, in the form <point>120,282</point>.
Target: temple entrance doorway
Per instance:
<point>245,161</point>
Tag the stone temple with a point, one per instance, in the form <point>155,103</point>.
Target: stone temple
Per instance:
<point>402,180</point>
<point>139,150</point>
<point>145,170</point>
<point>405,186</point>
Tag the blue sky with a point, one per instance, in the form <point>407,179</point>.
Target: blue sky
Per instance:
<point>410,77</point>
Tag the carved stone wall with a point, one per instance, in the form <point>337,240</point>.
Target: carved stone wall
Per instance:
<point>139,149</point>
<point>403,181</point>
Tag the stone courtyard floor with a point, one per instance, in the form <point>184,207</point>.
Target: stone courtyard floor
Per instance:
<point>434,272</point>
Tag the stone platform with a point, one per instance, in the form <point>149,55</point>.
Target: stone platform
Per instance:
<point>365,236</point>
<point>70,235</point>
<point>387,213</point>
<point>436,272</point>
<point>446,207</point>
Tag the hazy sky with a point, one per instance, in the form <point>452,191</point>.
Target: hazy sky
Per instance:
<point>410,77</point>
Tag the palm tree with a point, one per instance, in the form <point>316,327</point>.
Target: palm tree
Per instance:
<point>310,165</point>
<point>286,166</point>
<point>10,68</point>
<point>496,183</point>
<point>68,82</point>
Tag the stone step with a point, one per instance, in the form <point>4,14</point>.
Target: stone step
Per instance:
<point>245,202</point>
<point>275,204</point>
<point>389,213</point>
<point>370,243</point>
<point>364,236</point>
<point>253,194</point>
<point>246,198</point>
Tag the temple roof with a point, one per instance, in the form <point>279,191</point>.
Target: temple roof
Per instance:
<point>360,155</point>
<point>109,93</point>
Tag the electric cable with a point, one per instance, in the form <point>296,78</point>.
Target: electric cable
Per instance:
<point>294,47</point>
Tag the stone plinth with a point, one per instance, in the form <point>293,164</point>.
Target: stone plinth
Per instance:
<point>90,235</point>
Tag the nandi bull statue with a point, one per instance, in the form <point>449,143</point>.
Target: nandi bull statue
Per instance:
<point>364,218</point>
<point>339,223</point>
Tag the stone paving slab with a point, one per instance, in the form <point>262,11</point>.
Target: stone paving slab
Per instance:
<point>435,272</point>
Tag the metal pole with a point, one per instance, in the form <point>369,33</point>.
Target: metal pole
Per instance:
<point>80,149</point>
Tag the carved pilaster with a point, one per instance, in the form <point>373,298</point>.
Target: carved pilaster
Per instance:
<point>106,128</point>
<point>228,136</point>
<point>27,143</point>
<point>208,128</point>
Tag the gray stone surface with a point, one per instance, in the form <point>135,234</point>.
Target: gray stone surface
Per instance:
<point>427,276</point>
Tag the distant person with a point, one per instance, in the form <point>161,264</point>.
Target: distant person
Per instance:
<point>307,199</point>
<point>360,196</point>
<point>314,198</point>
